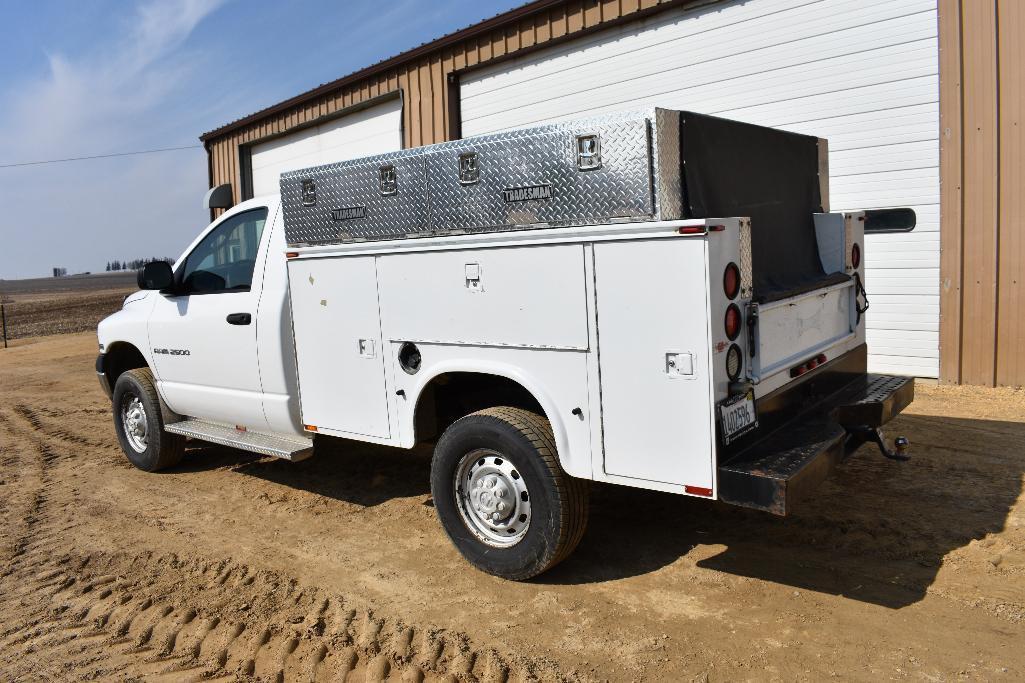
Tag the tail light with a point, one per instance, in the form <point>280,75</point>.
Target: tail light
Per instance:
<point>732,321</point>
<point>799,370</point>
<point>734,362</point>
<point>855,256</point>
<point>731,281</point>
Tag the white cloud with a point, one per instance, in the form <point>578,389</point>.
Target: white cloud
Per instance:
<point>124,94</point>
<point>89,102</point>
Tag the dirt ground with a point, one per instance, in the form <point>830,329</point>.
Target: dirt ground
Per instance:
<point>233,566</point>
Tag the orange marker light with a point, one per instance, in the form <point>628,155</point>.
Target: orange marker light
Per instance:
<point>310,428</point>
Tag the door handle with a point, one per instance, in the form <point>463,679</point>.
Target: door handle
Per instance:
<point>239,318</point>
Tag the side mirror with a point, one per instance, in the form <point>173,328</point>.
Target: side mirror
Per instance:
<point>889,220</point>
<point>156,275</point>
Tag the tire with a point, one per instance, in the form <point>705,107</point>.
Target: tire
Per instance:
<point>154,449</point>
<point>507,454</point>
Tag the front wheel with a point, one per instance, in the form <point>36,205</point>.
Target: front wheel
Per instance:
<point>139,424</point>
<point>502,496</point>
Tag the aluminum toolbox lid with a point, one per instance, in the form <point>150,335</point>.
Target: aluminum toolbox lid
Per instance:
<point>560,174</point>
<point>370,198</point>
<point>617,167</point>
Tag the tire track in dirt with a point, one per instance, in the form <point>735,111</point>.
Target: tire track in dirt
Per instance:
<point>76,614</point>
<point>42,426</point>
<point>24,494</point>
<point>166,618</point>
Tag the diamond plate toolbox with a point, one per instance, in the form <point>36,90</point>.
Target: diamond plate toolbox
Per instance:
<point>622,167</point>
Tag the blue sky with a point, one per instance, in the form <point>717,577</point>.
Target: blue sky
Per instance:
<point>107,76</point>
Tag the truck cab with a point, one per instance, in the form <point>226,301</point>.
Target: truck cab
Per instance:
<point>200,335</point>
<point>578,302</point>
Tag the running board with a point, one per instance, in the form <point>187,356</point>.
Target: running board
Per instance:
<point>294,448</point>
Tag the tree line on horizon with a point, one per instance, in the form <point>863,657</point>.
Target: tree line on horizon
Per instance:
<point>134,264</point>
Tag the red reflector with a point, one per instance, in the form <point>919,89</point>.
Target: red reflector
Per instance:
<point>798,371</point>
<point>812,364</point>
<point>309,428</point>
<point>291,254</point>
<point>732,322</point>
<point>855,255</point>
<point>731,281</point>
<point>821,358</point>
<point>716,228</point>
<point>692,230</point>
<point>697,490</point>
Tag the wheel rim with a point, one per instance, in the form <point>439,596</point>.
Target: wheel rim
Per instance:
<point>492,498</point>
<point>133,419</point>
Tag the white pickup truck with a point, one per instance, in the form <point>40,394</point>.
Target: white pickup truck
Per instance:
<point>656,299</point>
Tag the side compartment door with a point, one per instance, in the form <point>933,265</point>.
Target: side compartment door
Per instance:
<point>653,357</point>
<point>339,351</point>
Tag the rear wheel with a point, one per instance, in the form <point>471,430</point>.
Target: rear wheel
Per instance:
<point>502,496</point>
<point>139,424</point>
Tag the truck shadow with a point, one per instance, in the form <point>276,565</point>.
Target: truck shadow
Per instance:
<point>360,473</point>
<point>877,532</point>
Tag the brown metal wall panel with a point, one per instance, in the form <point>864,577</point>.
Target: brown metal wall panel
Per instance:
<point>1010,351</point>
<point>980,189</point>
<point>950,190</point>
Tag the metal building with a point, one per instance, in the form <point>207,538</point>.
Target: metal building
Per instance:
<point>921,101</point>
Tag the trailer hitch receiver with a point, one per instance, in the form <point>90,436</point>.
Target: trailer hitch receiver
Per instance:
<point>875,435</point>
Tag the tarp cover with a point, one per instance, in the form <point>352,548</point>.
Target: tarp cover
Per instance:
<point>771,176</point>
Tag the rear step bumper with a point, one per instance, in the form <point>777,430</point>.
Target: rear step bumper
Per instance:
<point>789,463</point>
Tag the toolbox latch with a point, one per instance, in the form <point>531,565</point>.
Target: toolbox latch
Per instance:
<point>469,170</point>
<point>389,183</point>
<point>588,152</point>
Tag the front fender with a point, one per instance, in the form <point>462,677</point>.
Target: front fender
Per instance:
<point>129,326</point>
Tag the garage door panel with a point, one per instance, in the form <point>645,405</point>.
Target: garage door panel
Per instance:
<point>906,365</point>
<point>714,62</point>
<point>374,130</point>
<point>722,31</point>
<point>712,90</point>
<point>862,73</point>
<point>802,114</point>
<point>896,157</point>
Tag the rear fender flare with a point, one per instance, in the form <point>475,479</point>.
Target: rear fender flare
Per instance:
<point>575,464</point>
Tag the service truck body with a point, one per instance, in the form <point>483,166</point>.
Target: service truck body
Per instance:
<point>667,291</point>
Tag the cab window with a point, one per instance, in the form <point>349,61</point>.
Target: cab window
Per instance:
<point>224,261</point>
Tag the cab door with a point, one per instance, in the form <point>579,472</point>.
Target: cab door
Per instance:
<point>203,335</point>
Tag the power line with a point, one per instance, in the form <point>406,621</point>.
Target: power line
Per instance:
<point>99,156</point>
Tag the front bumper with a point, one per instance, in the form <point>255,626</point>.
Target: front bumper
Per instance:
<point>102,376</point>
<point>812,429</point>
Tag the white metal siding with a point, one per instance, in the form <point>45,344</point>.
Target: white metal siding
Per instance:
<point>374,130</point>
<point>862,73</point>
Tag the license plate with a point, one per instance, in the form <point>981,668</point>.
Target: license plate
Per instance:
<point>737,416</point>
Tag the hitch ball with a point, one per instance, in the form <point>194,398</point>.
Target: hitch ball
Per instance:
<point>900,444</point>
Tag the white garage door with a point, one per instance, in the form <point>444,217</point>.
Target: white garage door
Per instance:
<point>374,130</point>
<point>862,73</point>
